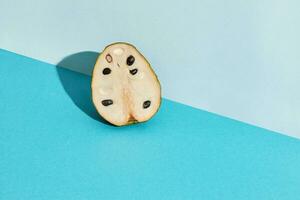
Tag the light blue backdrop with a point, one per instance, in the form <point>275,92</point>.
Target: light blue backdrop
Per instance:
<point>236,58</point>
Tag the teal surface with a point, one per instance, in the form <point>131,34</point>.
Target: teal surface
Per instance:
<point>53,146</point>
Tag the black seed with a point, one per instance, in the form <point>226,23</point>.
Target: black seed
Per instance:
<point>146,104</point>
<point>133,71</point>
<point>107,102</point>
<point>106,71</point>
<point>130,60</point>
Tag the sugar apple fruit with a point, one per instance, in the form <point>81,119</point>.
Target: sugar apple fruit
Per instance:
<point>125,89</point>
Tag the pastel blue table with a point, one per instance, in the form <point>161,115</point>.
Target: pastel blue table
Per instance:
<point>53,145</point>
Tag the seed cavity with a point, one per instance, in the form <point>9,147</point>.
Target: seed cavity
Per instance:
<point>107,102</point>
<point>106,71</point>
<point>133,71</point>
<point>108,58</point>
<point>105,90</point>
<point>118,51</point>
<point>146,104</point>
<point>130,60</point>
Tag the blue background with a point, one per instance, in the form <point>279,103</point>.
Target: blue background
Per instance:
<point>54,146</point>
<point>235,58</point>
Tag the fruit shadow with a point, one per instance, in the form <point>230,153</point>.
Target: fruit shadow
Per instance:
<point>78,85</point>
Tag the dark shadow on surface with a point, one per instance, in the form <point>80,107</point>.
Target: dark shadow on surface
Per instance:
<point>78,85</point>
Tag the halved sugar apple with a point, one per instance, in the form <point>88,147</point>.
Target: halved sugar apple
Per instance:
<point>125,89</point>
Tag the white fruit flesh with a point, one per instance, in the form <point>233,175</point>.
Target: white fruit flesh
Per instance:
<point>128,86</point>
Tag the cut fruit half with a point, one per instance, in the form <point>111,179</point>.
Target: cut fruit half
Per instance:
<point>125,89</point>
